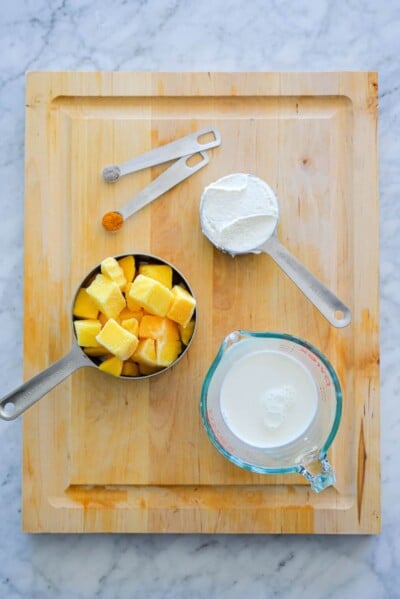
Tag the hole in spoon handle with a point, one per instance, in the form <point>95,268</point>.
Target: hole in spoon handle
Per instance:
<point>111,173</point>
<point>323,299</point>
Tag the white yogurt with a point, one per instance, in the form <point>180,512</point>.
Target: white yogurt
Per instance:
<point>238,212</point>
<point>268,399</point>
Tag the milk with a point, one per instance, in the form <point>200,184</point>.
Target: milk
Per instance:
<point>268,399</point>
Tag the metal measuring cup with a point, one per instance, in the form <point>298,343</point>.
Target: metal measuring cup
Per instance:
<point>323,299</point>
<point>25,396</point>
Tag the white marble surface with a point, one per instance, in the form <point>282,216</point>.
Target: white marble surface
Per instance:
<point>191,35</point>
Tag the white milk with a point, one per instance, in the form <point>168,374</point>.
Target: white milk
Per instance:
<point>268,399</point>
<point>238,212</point>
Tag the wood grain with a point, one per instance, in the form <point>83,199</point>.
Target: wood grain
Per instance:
<point>105,455</point>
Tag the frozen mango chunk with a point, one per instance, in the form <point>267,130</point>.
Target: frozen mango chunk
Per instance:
<point>102,318</point>
<point>145,352</point>
<point>155,327</point>
<point>130,369</point>
<point>117,340</point>
<point>84,306</point>
<point>131,325</point>
<point>127,263</point>
<point>96,352</point>
<point>138,314</point>
<point>151,295</point>
<point>107,296</point>
<point>113,366</point>
<point>111,269</point>
<point>186,332</point>
<point>144,369</point>
<point>156,354</point>
<point>167,351</point>
<point>131,304</point>
<point>125,313</point>
<point>86,332</point>
<point>182,307</point>
<point>158,272</point>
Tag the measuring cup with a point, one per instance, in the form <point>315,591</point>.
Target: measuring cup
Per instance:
<point>267,241</point>
<point>22,398</point>
<point>305,452</point>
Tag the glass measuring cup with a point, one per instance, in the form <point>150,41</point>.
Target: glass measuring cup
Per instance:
<point>261,236</point>
<point>303,453</point>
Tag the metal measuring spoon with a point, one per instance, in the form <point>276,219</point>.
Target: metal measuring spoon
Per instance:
<point>25,396</point>
<point>256,232</point>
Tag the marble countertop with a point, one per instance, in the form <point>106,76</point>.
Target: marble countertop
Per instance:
<point>188,35</point>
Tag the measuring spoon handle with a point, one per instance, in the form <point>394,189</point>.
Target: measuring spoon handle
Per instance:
<point>323,299</point>
<point>175,174</point>
<point>22,398</point>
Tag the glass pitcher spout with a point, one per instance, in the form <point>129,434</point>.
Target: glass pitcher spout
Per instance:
<point>323,479</point>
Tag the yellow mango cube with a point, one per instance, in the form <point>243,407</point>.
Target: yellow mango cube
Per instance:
<point>125,314</point>
<point>151,295</point>
<point>130,369</point>
<point>138,314</point>
<point>107,296</point>
<point>84,306</point>
<point>127,263</point>
<point>131,325</point>
<point>182,307</point>
<point>86,332</point>
<point>144,369</point>
<point>145,352</point>
<point>155,327</point>
<point>102,318</point>
<point>131,304</point>
<point>111,269</point>
<point>96,352</point>
<point>186,332</point>
<point>158,272</point>
<point>117,340</point>
<point>113,366</point>
<point>167,351</point>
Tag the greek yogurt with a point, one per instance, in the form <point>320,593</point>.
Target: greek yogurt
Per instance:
<point>238,213</point>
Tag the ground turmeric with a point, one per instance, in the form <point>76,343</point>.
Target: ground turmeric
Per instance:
<point>112,221</point>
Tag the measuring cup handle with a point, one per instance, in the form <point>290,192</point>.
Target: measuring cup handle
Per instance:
<point>323,479</point>
<point>22,398</point>
<point>323,299</point>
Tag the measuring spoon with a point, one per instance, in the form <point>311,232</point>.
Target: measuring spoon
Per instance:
<point>256,232</point>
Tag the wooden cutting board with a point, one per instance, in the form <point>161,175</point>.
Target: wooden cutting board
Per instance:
<point>108,455</point>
